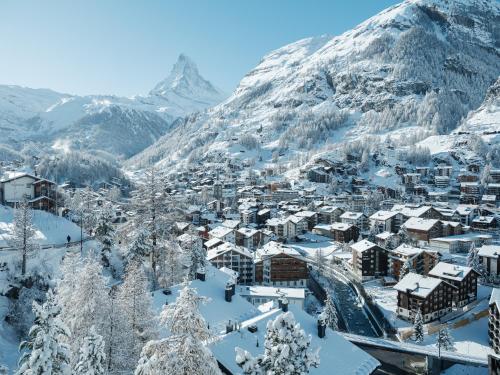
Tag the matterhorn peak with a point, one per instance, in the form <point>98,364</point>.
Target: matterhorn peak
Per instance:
<point>185,81</point>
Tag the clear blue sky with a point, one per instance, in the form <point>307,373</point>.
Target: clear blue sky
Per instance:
<point>125,47</point>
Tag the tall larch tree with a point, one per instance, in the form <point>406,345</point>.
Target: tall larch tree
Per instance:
<point>45,351</point>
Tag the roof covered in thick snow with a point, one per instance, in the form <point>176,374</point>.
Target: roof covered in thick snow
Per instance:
<point>337,355</point>
<point>418,285</point>
<point>449,271</point>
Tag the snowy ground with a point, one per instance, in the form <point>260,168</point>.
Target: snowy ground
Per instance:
<point>471,339</point>
<point>387,299</point>
<point>465,370</point>
<point>314,243</point>
<point>50,229</point>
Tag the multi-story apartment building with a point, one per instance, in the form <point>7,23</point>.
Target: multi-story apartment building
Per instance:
<point>433,296</point>
<point>421,260</point>
<point>369,260</point>
<point>462,277</point>
<point>494,320</point>
<point>278,265</point>
<point>236,258</point>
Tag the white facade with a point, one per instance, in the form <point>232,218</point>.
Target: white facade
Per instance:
<point>17,189</point>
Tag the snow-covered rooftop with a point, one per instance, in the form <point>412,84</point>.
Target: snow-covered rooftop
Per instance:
<point>271,291</point>
<point>363,245</point>
<point>217,312</point>
<point>383,215</point>
<point>449,271</point>
<point>336,353</point>
<point>225,247</point>
<point>491,251</point>
<point>419,285</point>
<point>417,223</point>
<point>220,232</point>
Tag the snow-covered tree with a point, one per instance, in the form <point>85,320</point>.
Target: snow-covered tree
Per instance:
<point>45,351</point>
<point>320,260</point>
<point>136,305</point>
<point>473,257</point>
<point>404,237</point>
<point>418,327</point>
<point>70,269</point>
<point>91,356</point>
<point>148,203</point>
<point>286,350</point>
<point>105,232</point>
<point>24,232</point>
<point>4,370</point>
<point>195,255</point>
<point>88,304</point>
<point>486,175</point>
<point>140,246</point>
<point>185,350</point>
<point>329,313</point>
<point>445,340</point>
<point>119,337</point>
<point>405,269</point>
<point>171,267</point>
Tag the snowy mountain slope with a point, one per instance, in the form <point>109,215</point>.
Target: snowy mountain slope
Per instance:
<point>485,121</point>
<point>114,124</point>
<point>415,68</point>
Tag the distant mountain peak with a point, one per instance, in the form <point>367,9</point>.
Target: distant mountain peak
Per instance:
<point>185,81</point>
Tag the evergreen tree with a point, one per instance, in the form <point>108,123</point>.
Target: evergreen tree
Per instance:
<point>24,232</point>
<point>89,304</point>
<point>140,246</point>
<point>405,269</point>
<point>473,257</point>
<point>329,313</point>
<point>4,370</point>
<point>486,175</point>
<point>418,327</point>
<point>91,357</point>
<point>105,233</point>
<point>185,350</point>
<point>45,350</point>
<point>70,269</point>
<point>444,340</point>
<point>196,256</point>
<point>119,344</point>
<point>320,260</point>
<point>148,204</point>
<point>171,267</point>
<point>286,350</point>
<point>136,305</point>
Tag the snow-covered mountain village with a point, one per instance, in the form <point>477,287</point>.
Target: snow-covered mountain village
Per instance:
<point>337,213</point>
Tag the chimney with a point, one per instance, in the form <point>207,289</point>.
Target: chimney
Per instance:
<point>321,328</point>
<point>229,327</point>
<point>228,293</point>
<point>283,303</point>
<point>200,274</point>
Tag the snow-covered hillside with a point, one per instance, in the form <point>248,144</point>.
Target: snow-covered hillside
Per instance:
<point>122,126</point>
<point>486,120</point>
<point>416,69</point>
